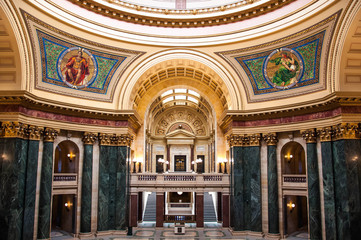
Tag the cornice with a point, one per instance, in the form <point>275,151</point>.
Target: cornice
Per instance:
<point>30,101</point>
<point>344,102</point>
<point>180,18</point>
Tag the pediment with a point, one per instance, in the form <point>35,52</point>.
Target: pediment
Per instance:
<point>180,134</point>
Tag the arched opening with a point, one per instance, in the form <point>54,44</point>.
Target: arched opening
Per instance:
<point>66,157</point>
<point>293,159</point>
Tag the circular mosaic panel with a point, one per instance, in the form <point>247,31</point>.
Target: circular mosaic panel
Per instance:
<point>283,68</point>
<point>77,67</point>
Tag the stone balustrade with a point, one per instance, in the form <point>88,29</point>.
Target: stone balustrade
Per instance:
<point>294,181</point>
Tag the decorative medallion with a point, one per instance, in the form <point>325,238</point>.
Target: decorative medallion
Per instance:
<point>283,68</point>
<point>77,67</point>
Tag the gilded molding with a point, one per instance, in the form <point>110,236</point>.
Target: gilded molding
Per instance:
<point>89,138</point>
<point>35,132</point>
<point>13,130</point>
<point>346,131</point>
<point>115,140</point>
<point>197,21</point>
<point>270,138</point>
<point>309,135</point>
<point>50,134</point>
<point>244,140</point>
<point>325,134</point>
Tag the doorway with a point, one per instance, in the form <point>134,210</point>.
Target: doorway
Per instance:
<point>63,213</point>
<point>180,163</point>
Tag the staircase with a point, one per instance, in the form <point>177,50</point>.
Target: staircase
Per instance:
<point>150,213</point>
<point>209,210</point>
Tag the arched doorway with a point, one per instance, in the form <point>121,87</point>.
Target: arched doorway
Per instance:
<point>66,164</point>
<point>295,208</point>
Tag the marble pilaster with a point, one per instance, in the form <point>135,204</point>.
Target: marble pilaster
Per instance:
<point>325,135</point>
<point>46,184</point>
<point>272,179</point>
<point>346,150</point>
<point>13,157</point>
<point>121,198</point>
<point>103,189</point>
<point>34,134</point>
<point>87,181</point>
<point>314,207</point>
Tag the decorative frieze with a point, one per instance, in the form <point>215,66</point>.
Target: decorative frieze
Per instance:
<point>50,134</point>
<point>244,140</point>
<point>35,132</point>
<point>115,140</point>
<point>309,135</point>
<point>89,138</point>
<point>270,138</point>
<point>13,130</point>
<point>325,134</point>
<point>346,131</point>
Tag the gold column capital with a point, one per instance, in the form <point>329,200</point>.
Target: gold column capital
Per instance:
<point>244,140</point>
<point>106,139</point>
<point>50,134</point>
<point>270,138</point>
<point>235,140</point>
<point>89,138</point>
<point>13,130</point>
<point>125,140</point>
<point>309,135</point>
<point>325,134</point>
<point>346,131</point>
<point>254,139</point>
<point>35,132</point>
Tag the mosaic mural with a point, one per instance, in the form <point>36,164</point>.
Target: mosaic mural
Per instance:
<point>76,67</point>
<point>292,66</point>
<point>69,65</point>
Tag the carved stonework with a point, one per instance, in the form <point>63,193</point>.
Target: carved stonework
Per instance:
<point>108,139</point>
<point>235,140</point>
<point>254,139</point>
<point>270,138</point>
<point>89,138</point>
<point>125,140</point>
<point>309,135</point>
<point>35,132</point>
<point>346,131</point>
<point>50,134</point>
<point>325,134</point>
<point>13,130</point>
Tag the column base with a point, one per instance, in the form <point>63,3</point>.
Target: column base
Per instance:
<point>246,233</point>
<point>273,236</point>
<point>86,235</point>
<point>111,232</point>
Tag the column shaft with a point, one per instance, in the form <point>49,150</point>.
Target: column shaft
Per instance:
<point>133,210</point>
<point>273,221</point>
<point>199,209</point>
<point>159,209</point>
<point>121,202</point>
<point>86,189</point>
<point>238,188</point>
<point>225,210</point>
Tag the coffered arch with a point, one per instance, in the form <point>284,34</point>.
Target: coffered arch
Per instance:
<point>180,68</point>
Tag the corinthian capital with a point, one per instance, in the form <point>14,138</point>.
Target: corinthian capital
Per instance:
<point>13,129</point>
<point>35,132</point>
<point>346,131</point>
<point>325,134</point>
<point>125,140</point>
<point>89,138</point>
<point>50,134</point>
<point>309,135</point>
<point>270,138</point>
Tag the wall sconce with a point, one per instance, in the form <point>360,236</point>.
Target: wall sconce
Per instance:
<point>68,205</point>
<point>71,156</point>
<point>199,160</point>
<point>161,160</point>
<point>288,157</point>
<point>291,206</point>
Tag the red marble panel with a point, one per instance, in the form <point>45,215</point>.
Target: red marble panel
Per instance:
<point>225,210</point>
<point>199,210</point>
<point>159,220</point>
<point>133,210</point>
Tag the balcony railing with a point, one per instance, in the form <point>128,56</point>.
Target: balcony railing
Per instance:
<point>179,218</point>
<point>65,179</point>
<point>294,181</point>
<point>179,180</point>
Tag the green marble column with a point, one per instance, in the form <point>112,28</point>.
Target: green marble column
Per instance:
<point>328,182</point>
<point>31,177</point>
<point>46,184</point>
<point>103,189</point>
<point>87,182</point>
<point>314,206</point>
<point>13,157</point>
<point>121,185</point>
<point>272,180</point>
<point>246,199</point>
<point>346,151</point>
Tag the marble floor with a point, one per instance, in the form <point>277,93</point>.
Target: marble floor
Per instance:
<point>148,231</point>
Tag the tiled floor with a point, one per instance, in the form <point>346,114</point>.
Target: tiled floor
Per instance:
<point>147,231</point>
